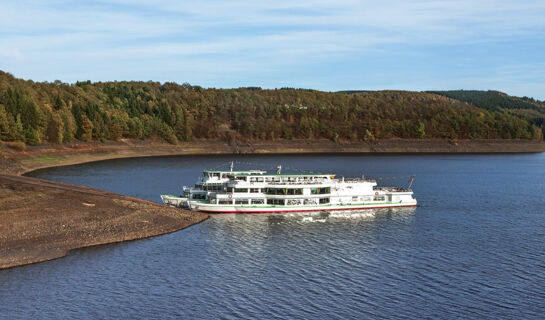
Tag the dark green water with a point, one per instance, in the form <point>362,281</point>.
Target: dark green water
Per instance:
<point>473,249</point>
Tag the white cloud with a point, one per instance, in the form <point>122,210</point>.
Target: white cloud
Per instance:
<point>42,39</point>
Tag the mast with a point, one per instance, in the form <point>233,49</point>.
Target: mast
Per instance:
<point>231,166</point>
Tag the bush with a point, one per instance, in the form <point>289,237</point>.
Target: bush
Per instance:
<point>16,145</point>
<point>167,134</point>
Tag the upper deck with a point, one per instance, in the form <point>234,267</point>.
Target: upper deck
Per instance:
<point>282,178</point>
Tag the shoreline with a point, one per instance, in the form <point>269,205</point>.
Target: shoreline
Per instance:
<point>41,220</point>
<point>19,162</point>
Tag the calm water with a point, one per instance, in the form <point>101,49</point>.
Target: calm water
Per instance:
<point>475,248</point>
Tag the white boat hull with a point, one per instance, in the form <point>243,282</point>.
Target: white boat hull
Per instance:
<point>212,208</point>
<point>174,201</point>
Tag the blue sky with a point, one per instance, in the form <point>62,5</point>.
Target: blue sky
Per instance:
<point>324,45</point>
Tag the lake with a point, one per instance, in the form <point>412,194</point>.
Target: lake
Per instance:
<point>473,248</point>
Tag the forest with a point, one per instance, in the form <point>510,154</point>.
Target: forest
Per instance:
<point>57,112</point>
<point>528,108</point>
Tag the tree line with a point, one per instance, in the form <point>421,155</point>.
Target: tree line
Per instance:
<point>37,112</point>
<point>528,108</point>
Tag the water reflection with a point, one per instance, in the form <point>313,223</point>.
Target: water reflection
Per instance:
<point>245,234</point>
<point>317,216</point>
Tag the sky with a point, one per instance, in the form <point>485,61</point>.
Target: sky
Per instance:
<point>324,45</point>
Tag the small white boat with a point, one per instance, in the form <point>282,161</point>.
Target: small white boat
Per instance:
<point>174,201</point>
<point>256,191</point>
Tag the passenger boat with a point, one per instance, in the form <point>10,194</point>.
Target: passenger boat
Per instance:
<point>256,191</point>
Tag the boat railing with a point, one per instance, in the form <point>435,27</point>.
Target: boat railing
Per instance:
<point>296,182</point>
<point>392,189</point>
<point>356,180</point>
<point>352,180</point>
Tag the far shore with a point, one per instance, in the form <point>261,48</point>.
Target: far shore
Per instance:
<point>18,162</point>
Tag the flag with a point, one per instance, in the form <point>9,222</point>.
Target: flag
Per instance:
<point>411,179</point>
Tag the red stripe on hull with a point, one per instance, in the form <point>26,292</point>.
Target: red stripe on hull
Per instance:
<point>276,211</point>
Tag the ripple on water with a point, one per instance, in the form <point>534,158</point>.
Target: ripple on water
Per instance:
<point>469,251</point>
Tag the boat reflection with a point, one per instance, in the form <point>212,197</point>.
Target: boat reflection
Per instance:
<point>402,213</point>
<point>245,235</point>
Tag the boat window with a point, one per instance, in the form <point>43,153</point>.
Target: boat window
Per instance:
<point>225,201</point>
<point>324,200</point>
<point>259,179</point>
<point>294,191</point>
<point>258,201</point>
<point>324,190</point>
<point>241,190</point>
<point>198,196</point>
<point>212,187</point>
<point>254,190</point>
<point>229,189</point>
<point>271,190</point>
<point>241,201</point>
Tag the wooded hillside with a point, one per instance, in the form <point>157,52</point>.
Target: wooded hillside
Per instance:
<point>528,108</point>
<point>57,112</point>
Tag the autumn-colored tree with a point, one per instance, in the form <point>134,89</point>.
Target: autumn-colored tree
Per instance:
<point>86,129</point>
<point>55,128</point>
<point>59,112</point>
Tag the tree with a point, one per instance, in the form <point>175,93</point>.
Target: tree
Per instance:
<point>69,126</point>
<point>7,125</point>
<point>116,131</point>
<point>86,129</point>
<point>55,129</point>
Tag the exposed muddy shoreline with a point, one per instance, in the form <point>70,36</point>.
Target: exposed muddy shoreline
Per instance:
<point>42,220</point>
<point>49,155</point>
